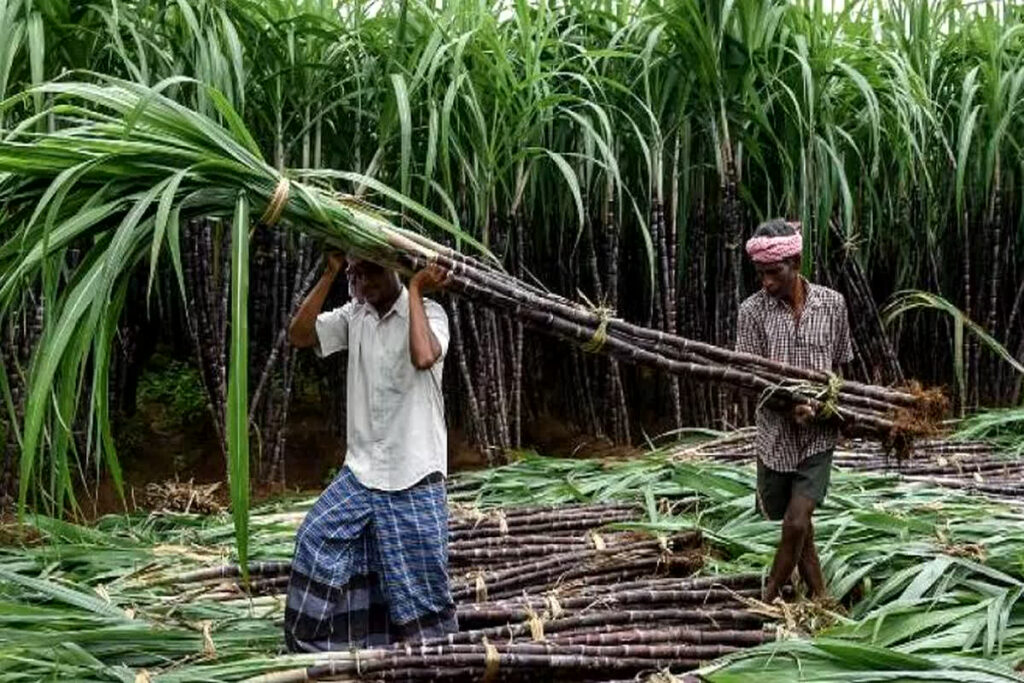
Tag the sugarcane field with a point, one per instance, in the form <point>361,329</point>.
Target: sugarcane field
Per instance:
<point>665,341</point>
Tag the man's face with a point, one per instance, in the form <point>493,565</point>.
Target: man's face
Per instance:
<point>778,278</point>
<point>373,283</point>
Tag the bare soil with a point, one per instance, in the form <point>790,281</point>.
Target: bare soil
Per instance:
<point>152,452</point>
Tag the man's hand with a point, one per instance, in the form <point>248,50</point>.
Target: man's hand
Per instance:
<point>802,414</point>
<point>431,278</point>
<point>335,262</point>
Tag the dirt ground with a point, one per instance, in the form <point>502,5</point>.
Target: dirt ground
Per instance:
<point>153,453</point>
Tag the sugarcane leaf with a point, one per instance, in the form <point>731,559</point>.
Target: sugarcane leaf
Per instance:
<point>574,186</point>
<point>132,119</point>
<point>234,121</point>
<point>101,390</point>
<point>238,388</point>
<point>420,210</point>
<point>929,574</point>
<point>431,157</point>
<point>163,215</point>
<point>60,593</point>
<point>49,354</point>
<point>405,125</point>
<point>33,256</point>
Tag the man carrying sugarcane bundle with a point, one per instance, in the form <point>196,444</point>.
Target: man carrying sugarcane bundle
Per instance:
<point>798,323</point>
<point>371,557</point>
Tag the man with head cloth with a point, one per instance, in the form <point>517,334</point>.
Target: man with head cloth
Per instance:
<point>798,323</point>
<point>371,557</point>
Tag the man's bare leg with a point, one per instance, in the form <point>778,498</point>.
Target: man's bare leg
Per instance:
<point>795,527</point>
<point>810,567</point>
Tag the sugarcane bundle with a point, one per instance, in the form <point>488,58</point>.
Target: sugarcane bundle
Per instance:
<point>592,643</point>
<point>977,467</point>
<point>542,593</point>
<point>501,661</point>
<point>527,550</point>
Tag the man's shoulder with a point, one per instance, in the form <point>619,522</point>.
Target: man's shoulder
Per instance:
<point>352,308</point>
<point>755,302</point>
<point>346,311</point>
<point>829,295</point>
<point>434,308</point>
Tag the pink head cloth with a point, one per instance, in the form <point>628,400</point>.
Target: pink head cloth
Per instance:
<point>775,249</point>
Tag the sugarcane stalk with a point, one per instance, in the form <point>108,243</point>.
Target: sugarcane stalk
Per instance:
<point>544,518</point>
<point>534,661</point>
<point>497,612</point>
<point>226,571</point>
<point>282,337</point>
<point>549,307</point>
<point>600,618</point>
<point>739,638</point>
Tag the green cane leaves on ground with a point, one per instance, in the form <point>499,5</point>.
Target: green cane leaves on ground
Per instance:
<point>940,594</point>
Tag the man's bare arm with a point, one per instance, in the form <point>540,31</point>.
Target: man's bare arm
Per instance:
<point>302,330</point>
<point>424,349</point>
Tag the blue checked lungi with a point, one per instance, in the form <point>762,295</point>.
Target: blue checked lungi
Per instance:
<point>370,568</point>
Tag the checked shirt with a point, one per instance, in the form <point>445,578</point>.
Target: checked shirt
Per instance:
<point>819,340</point>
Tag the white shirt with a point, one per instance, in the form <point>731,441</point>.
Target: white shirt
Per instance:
<point>395,427</point>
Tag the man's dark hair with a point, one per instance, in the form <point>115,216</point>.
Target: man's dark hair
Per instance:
<point>776,227</point>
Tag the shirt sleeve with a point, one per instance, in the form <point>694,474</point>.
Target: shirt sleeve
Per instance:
<point>438,321</point>
<point>332,330</point>
<point>748,334</point>
<point>843,351</point>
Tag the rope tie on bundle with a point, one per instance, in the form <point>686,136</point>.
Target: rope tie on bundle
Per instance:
<point>597,341</point>
<point>597,540</point>
<point>481,588</point>
<point>665,556</point>
<point>502,524</point>
<point>536,625</point>
<point>554,606</point>
<point>492,659</point>
<point>277,203</point>
<point>209,650</point>
<point>830,396</point>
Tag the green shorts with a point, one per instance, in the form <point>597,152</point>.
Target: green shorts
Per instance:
<point>774,489</point>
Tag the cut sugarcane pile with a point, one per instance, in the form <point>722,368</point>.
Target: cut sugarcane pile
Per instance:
<point>971,466</point>
<point>123,600</point>
<point>548,593</point>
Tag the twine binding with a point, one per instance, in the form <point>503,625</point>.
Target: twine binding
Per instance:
<point>481,588</point>
<point>277,203</point>
<point>597,341</point>
<point>554,607</point>
<point>209,650</point>
<point>536,625</point>
<point>492,659</point>
<point>830,396</point>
